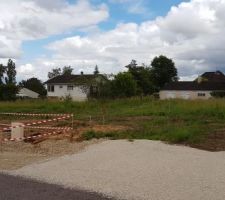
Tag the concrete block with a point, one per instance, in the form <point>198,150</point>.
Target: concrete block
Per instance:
<point>17,132</point>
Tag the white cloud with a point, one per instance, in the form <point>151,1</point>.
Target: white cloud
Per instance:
<point>25,71</point>
<point>192,34</point>
<point>22,20</point>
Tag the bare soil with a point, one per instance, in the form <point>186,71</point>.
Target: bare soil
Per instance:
<point>14,155</point>
<point>213,142</point>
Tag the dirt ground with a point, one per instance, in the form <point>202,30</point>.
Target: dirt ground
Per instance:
<point>213,142</point>
<point>14,155</point>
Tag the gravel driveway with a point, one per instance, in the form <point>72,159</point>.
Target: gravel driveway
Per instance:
<point>140,170</point>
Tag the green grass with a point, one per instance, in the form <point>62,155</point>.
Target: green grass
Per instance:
<point>176,121</point>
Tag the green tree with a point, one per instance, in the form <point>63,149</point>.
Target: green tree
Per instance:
<point>11,73</point>
<point>2,71</point>
<point>124,85</point>
<point>96,70</point>
<point>133,64</point>
<point>35,85</point>
<point>55,72</point>
<point>67,70</point>
<point>8,92</point>
<point>142,75</point>
<point>8,88</point>
<point>163,71</point>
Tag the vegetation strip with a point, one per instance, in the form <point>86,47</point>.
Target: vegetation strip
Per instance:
<point>194,123</point>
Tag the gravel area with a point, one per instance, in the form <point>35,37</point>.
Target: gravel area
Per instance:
<point>140,170</point>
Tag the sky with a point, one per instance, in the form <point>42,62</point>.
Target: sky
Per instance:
<point>43,34</point>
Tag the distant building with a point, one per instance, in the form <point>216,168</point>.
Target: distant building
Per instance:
<point>77,87</point>
<point>26,93</point>
<point>200,88</point>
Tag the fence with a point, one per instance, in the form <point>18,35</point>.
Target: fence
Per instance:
<point>36,125</point>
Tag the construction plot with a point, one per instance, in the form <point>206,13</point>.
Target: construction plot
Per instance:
<point>33,127</point>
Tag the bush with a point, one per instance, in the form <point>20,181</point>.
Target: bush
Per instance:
<point>124,85</point>
<point>8,92</point>
<point>218,94</point>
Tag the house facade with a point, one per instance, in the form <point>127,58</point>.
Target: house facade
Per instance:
<point>200,88</point>
<point>77,87</point>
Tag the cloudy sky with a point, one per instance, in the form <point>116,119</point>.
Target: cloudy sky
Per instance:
<point>42,34</point>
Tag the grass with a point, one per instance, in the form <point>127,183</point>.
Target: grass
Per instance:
<point>175,121</point>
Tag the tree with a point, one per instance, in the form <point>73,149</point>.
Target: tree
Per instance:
<point>8,92</point>
<point>124,85</point>
<point>142,75</point>
<point>132,65</point>
<point>55,72</point>
<point>96,70</point>
<point>11,73</point>
<point>67,70</point>
<point>8,88</point>
<point>2,71</point>
<point>35,85</point>
<point>163,71</point>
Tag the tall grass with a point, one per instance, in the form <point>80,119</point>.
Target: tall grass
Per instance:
<point>171,120</point>
<point>214,108</point>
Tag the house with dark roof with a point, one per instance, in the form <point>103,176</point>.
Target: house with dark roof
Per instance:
<point>78,87</point>
<point>200,88</point>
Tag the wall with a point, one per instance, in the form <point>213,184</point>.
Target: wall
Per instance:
<point>175,94</point>
<point>77,94</point>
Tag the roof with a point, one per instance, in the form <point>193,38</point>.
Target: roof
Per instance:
<point>75,79</point>
<point>193,85</point>
<point>25,92</point>
<point>213,76</point>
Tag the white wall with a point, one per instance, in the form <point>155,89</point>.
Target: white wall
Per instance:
<point>77,94</point>
<point>176,94</point>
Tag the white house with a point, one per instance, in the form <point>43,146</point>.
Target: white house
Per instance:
<point>75,86</point>
<point>200,88</point>
<point>26,93</point>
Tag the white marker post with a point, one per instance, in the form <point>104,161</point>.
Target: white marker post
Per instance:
<point>17,132</point>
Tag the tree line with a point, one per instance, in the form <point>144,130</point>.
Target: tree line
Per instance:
<point>136,80</point>
<point>9,87</point>
<point>140,80</point>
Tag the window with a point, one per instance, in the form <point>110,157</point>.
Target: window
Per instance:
<point>51,88</point>
<point>60,86</point>
<point>201,94</point>
<point>69,87</point>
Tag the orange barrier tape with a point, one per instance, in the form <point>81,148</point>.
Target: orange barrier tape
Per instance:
<point>30,137</point>
<point>37,123</point>
<point>50,128</point>
<point>35,114</point>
